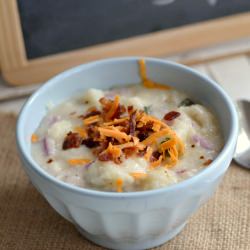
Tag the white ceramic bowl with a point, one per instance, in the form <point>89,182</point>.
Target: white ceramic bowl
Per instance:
<point>135,220</point>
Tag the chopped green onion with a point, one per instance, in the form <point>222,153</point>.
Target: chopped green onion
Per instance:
<point>186,102</point>
<point>146,109</point>
<point>166,139</point>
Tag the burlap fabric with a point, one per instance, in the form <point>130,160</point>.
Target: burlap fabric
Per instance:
<point>28,222</point>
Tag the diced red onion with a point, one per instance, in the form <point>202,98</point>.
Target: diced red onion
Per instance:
<point>204,143</point>
<point>89,164</point>
<point>169,123</point>
<point>110,94</point>
<point>53,119</point>
<point>181,171</point>
<point>119,91</point>
<point>48,146</point>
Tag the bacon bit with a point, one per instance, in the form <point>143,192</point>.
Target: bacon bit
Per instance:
<point>49,160</point>
<point>101,147</point>
<point>138,175</point>
<point>34,138</point>
<point>90,112</point>
<point>90,143</point>
<point>141,153</point>
<point>92,131</point>
<point>155,156</point>
<point>120,136</point>
<point>145,81</point>
<point>156,163</point>
<point>130,151</point>
<point>130,109</point>
<point>147,122</point>
<point>91,120</point>
<point>119,184</point>
<point>130,148</point>
<point>113,108</point>
<point>106,103</point>
<point>142,135</point>
<point>80,161</point>
<point>132,123</point>
<point>144,125</point>
<point>81,131</point>
<point>72,140</point>
<point>105,157</point>
<point>171,115</point>
<point>207,162</point>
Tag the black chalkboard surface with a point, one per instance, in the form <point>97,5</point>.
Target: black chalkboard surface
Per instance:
<point>51,27</point>
<point>40,38</point>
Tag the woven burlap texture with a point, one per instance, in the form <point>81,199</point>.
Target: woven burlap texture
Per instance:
<point>28,222</point>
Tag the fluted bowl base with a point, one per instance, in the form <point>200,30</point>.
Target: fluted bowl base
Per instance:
<point>132,244</point>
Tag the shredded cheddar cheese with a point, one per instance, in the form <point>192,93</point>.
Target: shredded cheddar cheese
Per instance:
<point>113,108</point>
<point>116,121</point>
<point>173,157</point>
<point>34,138</point>
<point>119,184</point>
<point>137,144</point>
<point>91,119</point>
<point>147,118</point>
<point>148,153</point>
<point>120,136</point>
<point>138,175</point>
<point>167,145</point>
<point>156,163</point>
<point>153,137</point>
<point>80,161</point>
<point>81,131</point>
<point>146,82</point>
<point>114,150</point>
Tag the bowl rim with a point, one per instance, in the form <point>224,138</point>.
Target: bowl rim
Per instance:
<point>230,141</point>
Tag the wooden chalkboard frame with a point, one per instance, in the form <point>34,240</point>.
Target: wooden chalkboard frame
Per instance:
<point>18,70</point>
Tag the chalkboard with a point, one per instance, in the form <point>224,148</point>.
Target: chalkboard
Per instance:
<point>51,27</point>
<point>40,38</point>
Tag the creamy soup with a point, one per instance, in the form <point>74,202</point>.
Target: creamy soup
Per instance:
<point>138,137</point>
